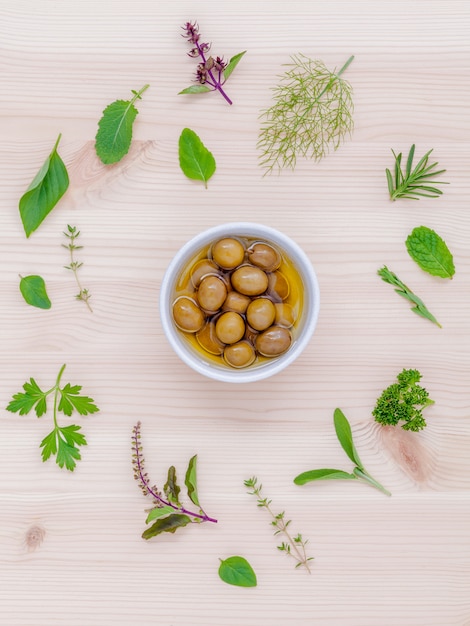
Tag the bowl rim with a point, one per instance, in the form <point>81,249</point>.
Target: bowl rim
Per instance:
<point>249,229</point>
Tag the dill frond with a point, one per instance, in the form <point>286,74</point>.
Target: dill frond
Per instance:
<point>311,114</point>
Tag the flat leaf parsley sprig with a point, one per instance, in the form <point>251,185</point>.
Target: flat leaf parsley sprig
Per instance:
<point>168,513</point>
<point>211,73</point>
<point>63,442</point>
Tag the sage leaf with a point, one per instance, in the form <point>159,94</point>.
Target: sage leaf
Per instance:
<point>232,64</point>
<point>171,488</point>
<point>237,571</point>
<point>169,524</point>
<point>195,89</point>
<point>196,162</point>
<point>190,480</point>
<point>114,135</point>
<point>33,290</point>
<point>159,512</point>
<point>322,474</point>
<point>430,252</point>
<point>344,434</point>
<point>44,192</point>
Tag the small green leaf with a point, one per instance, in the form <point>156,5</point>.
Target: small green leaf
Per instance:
<point>322,474</point>
<point>237,571</point>
<point>232,64</point>
<point>45,191</point>
<point>168,524</point>
<point>430,252</point>
<point>171,487</point>
<point>158,512</point>
<point>195,89</point>
<point>190,481</point>
<point>114,135</point>
<point>344,434</point>
<point>70,400</point>
<point>63,443</point>
<point>196,162</point>
<point>33,290</point>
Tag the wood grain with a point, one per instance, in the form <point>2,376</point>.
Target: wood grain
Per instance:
<point>71,551</point>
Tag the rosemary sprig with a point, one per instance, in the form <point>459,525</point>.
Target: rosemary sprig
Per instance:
<point>312,112</point>
<point>419,308</point>
<point>293,546</point>
<point>74,266</point>
<point>413,182</point>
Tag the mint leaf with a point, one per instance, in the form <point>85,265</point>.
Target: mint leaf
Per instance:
<point>63,443</point>
<point>114,135</point>
<point>237,571</point>
<point>33,290</point>
<point>430,252</point>
<point>45,191</point>
<point>196,162</point>
<point>168,524</point>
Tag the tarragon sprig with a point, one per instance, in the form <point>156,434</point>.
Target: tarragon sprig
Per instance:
<point>414,181</point>
<point>74,265</point>
<point>294,546</point>
<point>419,306</point>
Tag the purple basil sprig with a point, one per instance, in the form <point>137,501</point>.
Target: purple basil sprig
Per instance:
<point>211,73</point>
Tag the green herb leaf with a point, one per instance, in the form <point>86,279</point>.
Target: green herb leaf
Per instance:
<point>237,571</point>
<point>404,291</point>
<point>196,162</point>
<point>414,182</point>
<point>168,524</point>
<point>191,480</point>
<point>232,64</point>
<point>63,443</point>
<point>171,488</point>
<point>195,89</point>
<point>33,290</point>
<point>45,191</point>
<point>322,474</point>
<point>22,403</point>
<point>344,434</point>
<point>158,512</point>
<point>114,135</point>
<point>430,252</point>
<point>70,399</point>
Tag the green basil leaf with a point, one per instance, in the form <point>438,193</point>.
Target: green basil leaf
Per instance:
<point>114,135</point>
<point>168,524</point>
<point>195,159</point>
<point>430,252</point>
<point>33,290</point>
<point>171,487</point>
<point>190,481</point>
<point>344,434</point>
<point>196,89</point>
<point>232,64</point>
<point>158,512</point>
<point>237,571</point>
<point>45,191</point>
<point>323,474</point>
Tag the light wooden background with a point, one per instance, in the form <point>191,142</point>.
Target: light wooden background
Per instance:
<point>399,561</point>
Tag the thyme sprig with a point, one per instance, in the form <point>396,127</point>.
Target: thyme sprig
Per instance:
<point>72,234</point>
<point>312,112</point>
<point>294,546</point>
<point>414,181</point>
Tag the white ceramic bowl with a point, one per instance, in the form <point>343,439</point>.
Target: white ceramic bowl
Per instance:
<point>304,326</point>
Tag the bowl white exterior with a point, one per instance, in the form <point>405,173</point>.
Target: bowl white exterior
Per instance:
<point>307,323</point>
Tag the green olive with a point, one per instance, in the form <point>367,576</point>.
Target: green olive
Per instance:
<point>211,293</point>
<point>264,256</point>
<point>202,268</point>
<point>249,280</point>
<point>187,315</point>
<point>260,313</point>
<point>228,253</point>
<point>240,354</point>
<point>230,327</point>
<point>273,341</point>
<point>278,286</point>
<point>285,315</point>
<point>207,339</point>
<point>236,302</point>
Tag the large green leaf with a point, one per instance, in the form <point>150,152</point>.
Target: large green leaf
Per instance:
<point>237,571</point>
<point>33,290</point>
<point>45,191</point>
<point>430,252</point>
<point>195,159</point>
<point>344,434</point>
